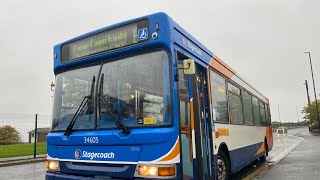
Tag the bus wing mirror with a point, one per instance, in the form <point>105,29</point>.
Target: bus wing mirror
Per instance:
<point>188,66</point>
<point>52,86</point>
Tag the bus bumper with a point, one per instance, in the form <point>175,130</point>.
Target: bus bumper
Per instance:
<point>60,176</point>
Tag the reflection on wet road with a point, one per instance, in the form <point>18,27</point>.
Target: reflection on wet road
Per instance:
<point>284,143</point>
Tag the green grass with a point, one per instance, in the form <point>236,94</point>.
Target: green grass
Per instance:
<point>22,149</point>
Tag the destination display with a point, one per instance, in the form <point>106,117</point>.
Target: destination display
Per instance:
<point>112,39</point>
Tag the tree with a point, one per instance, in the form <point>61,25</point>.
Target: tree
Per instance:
<point>310,112</point>
<point>9,135</point>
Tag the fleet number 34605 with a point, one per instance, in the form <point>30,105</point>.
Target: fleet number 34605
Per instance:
<point>91,140</point>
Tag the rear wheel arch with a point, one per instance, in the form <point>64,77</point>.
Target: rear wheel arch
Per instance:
<point>223,147</point>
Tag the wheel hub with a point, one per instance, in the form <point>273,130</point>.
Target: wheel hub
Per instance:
<point>221,169</point>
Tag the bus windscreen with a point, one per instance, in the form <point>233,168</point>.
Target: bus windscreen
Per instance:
<point>104,41</point>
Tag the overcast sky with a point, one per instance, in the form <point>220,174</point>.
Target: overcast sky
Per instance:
<point>264,41</point>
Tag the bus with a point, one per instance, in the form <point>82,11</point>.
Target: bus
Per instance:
<point>143,99</point>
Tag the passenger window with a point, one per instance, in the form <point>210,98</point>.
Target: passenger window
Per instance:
<point>247,108</point>
<point>235,105</point>
<point>256,113</point>
<point>263,114</point>
<point>219,98</point>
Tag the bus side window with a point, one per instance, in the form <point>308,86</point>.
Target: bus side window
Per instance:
<point>235,105</point>
<point>247,108</point>
<point>219,98</point>
<point>256,113</point>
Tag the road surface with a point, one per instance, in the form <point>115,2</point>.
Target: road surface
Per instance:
<point>34,171</point>
<point>301,163</point>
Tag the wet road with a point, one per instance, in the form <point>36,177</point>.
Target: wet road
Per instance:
<point>303,162</point>
<point>34,171</point>
<point>283,144</point>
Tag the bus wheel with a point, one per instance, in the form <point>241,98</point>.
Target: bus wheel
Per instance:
<point>222,166</point>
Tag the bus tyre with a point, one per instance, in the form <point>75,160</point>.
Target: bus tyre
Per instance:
<point>222,166</point>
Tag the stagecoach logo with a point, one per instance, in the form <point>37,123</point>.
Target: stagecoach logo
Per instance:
<point>77,154</point>
<point>93,155</point>
<point>193,47</point>
<point>184,40</point>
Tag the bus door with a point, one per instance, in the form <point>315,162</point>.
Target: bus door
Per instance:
<point>205,128</point>
<point>195,129</point>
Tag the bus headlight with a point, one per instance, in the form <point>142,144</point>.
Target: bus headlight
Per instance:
<point>155,170</point>
<point>148,170</point>
<point>52,165</point>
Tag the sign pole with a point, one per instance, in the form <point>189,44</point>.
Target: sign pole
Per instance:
<point>35,137</point>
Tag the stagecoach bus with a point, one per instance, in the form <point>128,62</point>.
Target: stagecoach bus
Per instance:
<point>143,99</point>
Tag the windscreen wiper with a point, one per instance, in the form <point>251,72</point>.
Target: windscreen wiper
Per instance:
<point>76,115</point>
<point>123,128</point>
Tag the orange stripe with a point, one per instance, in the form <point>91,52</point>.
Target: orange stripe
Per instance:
<point>269,137</point>
<point>174,153</point>
<point>224,64</point>
<point>219,65</point>
<point>261,149</point>
<point>192,114</point>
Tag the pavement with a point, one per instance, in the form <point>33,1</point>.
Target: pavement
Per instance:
<point>11,161</point>
<point>32,171</point>
<point>303,162</point>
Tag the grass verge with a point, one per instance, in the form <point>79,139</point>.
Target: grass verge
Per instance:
<point>15,150</point>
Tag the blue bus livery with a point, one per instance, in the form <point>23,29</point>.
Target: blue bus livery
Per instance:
<point>144,99</point>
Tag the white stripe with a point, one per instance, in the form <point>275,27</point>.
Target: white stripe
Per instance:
<point>240,135</point>
<point>90,161</point>
<point>248,87</point>
<point>51,158</point>
<point>193,144</point>
<point>103,162</point>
